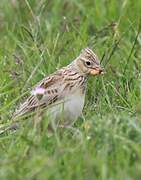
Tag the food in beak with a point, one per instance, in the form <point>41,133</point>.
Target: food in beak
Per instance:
<point>97,71</point>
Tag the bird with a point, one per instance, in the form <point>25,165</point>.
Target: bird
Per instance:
<point>62,93</point>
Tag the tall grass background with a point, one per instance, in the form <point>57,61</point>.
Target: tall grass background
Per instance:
<point>38,37</point>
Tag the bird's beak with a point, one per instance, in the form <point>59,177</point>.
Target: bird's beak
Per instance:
<point>97,71</point>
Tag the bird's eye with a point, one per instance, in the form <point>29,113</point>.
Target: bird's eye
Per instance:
<point>88,63</point>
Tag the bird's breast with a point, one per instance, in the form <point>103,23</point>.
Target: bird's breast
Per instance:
<point>69,109</point>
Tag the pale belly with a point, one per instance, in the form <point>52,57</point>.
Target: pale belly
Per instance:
<point>67,112</point>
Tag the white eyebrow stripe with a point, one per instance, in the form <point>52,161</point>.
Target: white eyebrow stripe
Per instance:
<point>83,58</point>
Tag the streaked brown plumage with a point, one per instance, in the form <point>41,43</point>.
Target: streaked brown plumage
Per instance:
<point>64,88</point>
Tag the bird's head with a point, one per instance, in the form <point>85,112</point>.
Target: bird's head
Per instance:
<point>88,63</point>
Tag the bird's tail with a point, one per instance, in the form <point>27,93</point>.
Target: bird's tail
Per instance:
<point>29,105</point>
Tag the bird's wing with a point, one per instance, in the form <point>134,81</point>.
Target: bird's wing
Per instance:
<point>44,93</point>
<point>51,89</point>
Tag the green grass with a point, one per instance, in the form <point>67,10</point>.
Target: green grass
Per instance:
<point>36,37</point>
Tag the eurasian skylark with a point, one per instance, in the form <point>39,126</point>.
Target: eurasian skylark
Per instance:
<point>64,90</point>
